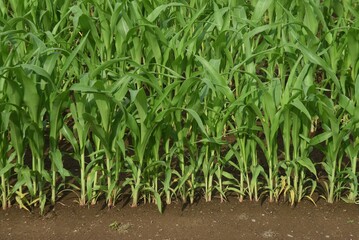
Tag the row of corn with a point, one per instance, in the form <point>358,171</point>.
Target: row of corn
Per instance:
<point>160,100</point>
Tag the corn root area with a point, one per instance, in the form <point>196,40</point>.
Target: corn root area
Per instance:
<point>161,101</point>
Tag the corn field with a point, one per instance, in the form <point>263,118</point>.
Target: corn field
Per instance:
<point>163,101</point>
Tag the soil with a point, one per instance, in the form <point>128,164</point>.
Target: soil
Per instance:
<point>211,220</point>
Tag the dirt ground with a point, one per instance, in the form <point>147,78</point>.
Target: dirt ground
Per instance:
<point>213,220</point>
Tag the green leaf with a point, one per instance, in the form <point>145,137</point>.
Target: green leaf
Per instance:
<point>269,106</point>
<point>320,138</point>
<point>310,19</point>
<point>105,66</point>
<point>217,79</point>
<point>300,106</point>
<point>195,115</point>
<point>56,158</point>
<point>38,70</point>
<point>308,164</point>
<point>353,44</point>
<point>346,104</point>
<point>140,99</point>
<point>69,60</point>
<point>184,178</point>
<point>260,8</point>
<point>56,120</point>
<point>31,97</point>
<point>314,58</point>
<point>154,46</point>
<point>7,167</point>
<point>158,10</point>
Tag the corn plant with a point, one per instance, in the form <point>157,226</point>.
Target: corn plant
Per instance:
<point>56,123</point>
<point>78,139</point>
<point>110,133</point>
<point>6,161</point>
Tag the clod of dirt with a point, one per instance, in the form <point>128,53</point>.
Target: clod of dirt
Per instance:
<point>50,215</point>
<point>120,228</point>
<point>269,234</point>
<point>124,227</point>
<point>243,216</point>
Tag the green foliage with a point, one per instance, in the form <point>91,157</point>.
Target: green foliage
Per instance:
<point>175,100</point>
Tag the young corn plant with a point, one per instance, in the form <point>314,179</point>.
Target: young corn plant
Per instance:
<point>34,101</point>
<point>243,150</point>
<point>110,133</point>
<point>350,121</point>
<point>296,128</point>
<point>182,119</point>
<point>142,129</point>
<point>270,122</point>
<point>245,154</point>
<point>78,138</point>
<point>352,151</point>
<point>334,135</point>
<point>56,122</point>
<point>215,95</point>
<point>17,141</point>
<point>6,161</point>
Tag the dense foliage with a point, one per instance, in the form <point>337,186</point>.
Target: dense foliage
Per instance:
<point>164,100</point>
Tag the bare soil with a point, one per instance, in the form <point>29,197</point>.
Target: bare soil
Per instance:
<point>211,220</point>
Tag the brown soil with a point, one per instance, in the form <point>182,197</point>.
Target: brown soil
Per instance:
<point>213,220</point>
